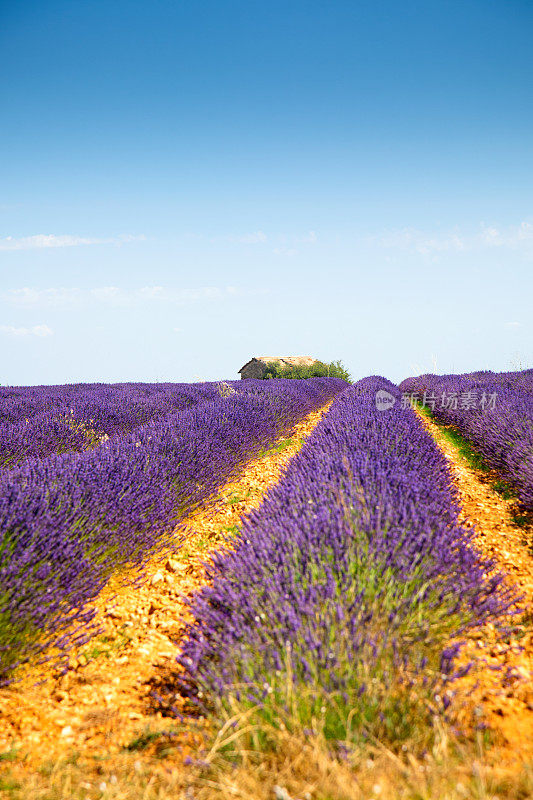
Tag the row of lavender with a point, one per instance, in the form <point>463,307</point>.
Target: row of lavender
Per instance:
<point>494,411</point>
<point>37,421</point>
<point>69,520</point>
<point>343,589</point>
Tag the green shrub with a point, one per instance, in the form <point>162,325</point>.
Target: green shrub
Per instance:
<point>335,369</point>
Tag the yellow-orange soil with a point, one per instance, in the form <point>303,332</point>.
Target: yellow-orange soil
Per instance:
<point>500,698</point>
<point>103,703</point>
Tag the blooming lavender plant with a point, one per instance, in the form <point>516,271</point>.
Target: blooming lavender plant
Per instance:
<point>494,411</point>
<point>70,519</point>
<point>41,420</point>
<point>341,591</point>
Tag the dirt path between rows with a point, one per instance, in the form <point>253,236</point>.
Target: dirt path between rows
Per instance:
<point>499,691</point>
<point>103,707</point>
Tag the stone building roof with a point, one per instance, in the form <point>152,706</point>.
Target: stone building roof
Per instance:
<point>256,366</point>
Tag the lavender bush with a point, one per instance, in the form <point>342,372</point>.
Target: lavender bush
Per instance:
<point>494,411</point>
<point>70,519</point>
<point>37,421</point>
<point>335,605</point>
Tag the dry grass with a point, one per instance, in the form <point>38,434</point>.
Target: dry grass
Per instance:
<point>296,767</point>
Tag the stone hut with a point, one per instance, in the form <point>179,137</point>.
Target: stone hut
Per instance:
<point>257,366</point>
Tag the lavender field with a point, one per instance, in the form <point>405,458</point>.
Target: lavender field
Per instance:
<point>346,597</point>
<point>343,605</point>
<point>97,477</point>
<point>494,412</point>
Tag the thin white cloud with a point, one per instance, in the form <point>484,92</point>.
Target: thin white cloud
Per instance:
<point>417,241</point>
<point>40,331</point>
<point>112,295</point>
<point>513,324</point>
<point>289,245</point>
<point>29,297</point>
<point>42,241</point>
<point>308,238</point>
<point>115,296</point>
<point>285,251</point>
<point>515,237</point>
<point>257,237</point>
<point>286,240</point>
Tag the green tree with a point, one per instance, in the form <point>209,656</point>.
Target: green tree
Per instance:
<point>335,369</point>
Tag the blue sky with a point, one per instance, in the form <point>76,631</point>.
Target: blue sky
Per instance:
<point>187,184</point>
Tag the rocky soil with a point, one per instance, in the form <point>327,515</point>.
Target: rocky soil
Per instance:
<point>498,693</point>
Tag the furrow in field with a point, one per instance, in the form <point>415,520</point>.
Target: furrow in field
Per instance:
<point>103,704</point>
<point>500,689</point>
